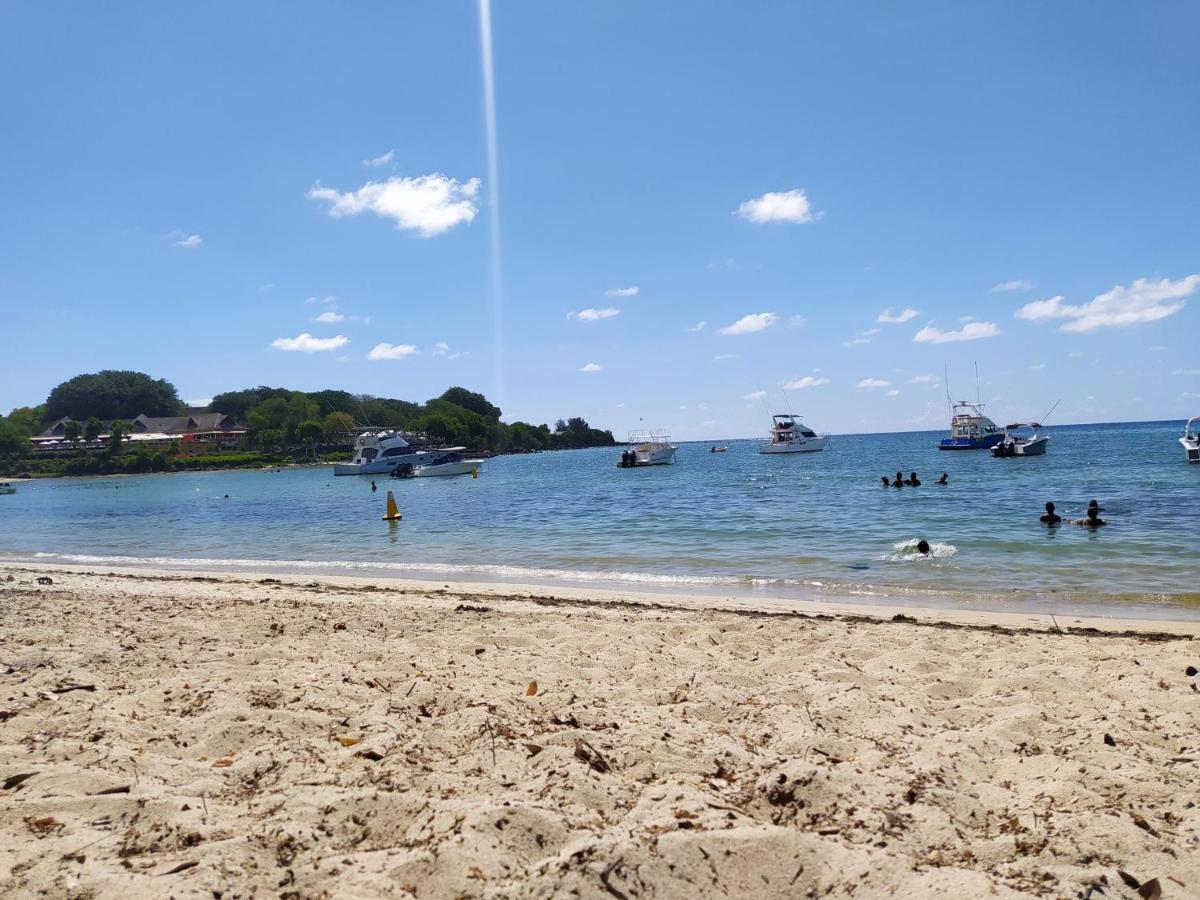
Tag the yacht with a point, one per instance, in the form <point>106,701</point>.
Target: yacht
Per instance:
<point>647,448</point>
<point>791,436</point>
<point>1021,440</point>
<point>446,464</point>
<point>970,429</point>
<point>1191,439</point>
<point>379,452</point>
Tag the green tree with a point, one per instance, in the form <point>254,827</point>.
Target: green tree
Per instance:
<point>28,419</point>
<point>113,394</point>
<point>269,439</point>
<point>72,432</point>
<point>309,432</point>
<point>14,442</point>
<point>92,429</point>
<point>337,426</point>
<point>116,436</point>
<point>476,403</point>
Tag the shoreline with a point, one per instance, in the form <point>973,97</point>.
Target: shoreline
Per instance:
<point>185,734</point>
<point>837,608</point>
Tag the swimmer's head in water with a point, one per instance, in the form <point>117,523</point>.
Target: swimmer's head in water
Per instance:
<point>923,546</point>
<point>1049,506</point>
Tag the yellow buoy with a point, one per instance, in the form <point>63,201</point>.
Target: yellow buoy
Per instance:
<point>393,511</point>
<point>474,473</point>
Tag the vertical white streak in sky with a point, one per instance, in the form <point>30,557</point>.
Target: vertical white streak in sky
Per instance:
<point>489,113</point>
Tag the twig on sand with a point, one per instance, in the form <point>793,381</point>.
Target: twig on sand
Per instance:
<point>608,886</point>
<point>488,723</point>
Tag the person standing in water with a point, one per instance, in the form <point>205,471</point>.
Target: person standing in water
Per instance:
<point>373,487</point>
<point>1093,519</point>
<point>1051,517</point>
<point>912,480</point>
<point>945,479</point>
<point>899,481</point>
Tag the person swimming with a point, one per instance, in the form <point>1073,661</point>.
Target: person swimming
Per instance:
<point>373,487</point>
<point>1093,519</point>
<point>923,547</point>
<point>1051,517</point>
<point>945,479</point>
<point>885,481</point>
<point>912,480</point>
<point>899,480</point>
<point>1092,504</point>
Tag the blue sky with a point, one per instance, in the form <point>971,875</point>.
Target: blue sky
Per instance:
<point>180,182</point>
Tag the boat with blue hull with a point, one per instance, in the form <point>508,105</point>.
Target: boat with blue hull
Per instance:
<point>970,429</point>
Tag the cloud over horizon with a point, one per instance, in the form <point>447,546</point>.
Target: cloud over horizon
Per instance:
<point>594,315</point>
<point>622,292</point>
<point>190,242</point>
<point>1141,302</point>
<point>873,383</point>
<point>972,331</point>
<point>750,324</point>
<point>1017,284</point>
<point>801,384</point>
<point>306,343</point>
<point>591,367</point>
<point>428,204</point>
<point>384,350</point>
<point>784,206</point>
<point>887,317</point>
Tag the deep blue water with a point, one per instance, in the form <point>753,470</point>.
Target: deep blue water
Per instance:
<point>735,523</point>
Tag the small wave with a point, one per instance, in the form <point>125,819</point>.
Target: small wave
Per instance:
<point>903,551</point>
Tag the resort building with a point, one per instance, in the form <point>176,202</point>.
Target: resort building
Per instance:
<point>196,432</point>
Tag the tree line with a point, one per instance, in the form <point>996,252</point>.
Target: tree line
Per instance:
<point>279,420</point>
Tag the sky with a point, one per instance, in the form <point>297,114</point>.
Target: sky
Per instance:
<point>698,213</point>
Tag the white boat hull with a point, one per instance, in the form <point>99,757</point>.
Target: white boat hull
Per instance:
<point>384,465</point>
<point>466,467</point>
<point>1032,448</point>
<point>1191,449</point>
<point>806,445</point>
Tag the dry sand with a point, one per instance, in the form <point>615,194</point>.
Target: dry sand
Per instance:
<point>237,736</point>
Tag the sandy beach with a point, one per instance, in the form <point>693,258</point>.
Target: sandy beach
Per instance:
<point>164,734</point>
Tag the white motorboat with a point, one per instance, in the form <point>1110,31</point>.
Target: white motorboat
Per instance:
<point>788,435</point>
<point>647,448</point>
<point>449,464</point>
<point>1191,439</point>
<point>6,488</point>
<point>1021,439</point>
<point>379,452</point>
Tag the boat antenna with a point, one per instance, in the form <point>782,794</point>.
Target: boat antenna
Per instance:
<point>1052,409</point>
<point>978,398</point>
<point>949,402</point>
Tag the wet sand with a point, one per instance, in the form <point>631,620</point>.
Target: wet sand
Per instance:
<point>169,734</point>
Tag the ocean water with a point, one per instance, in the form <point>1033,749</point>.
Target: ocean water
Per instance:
<point>735,524</point>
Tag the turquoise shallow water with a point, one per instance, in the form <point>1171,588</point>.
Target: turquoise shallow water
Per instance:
<point>734,523</point>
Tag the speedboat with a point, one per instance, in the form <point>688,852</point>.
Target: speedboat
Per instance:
<point>788,435</point>
<point>1021,440</point>
<point>970,429</point>
<point>648,448</point>
<point>6,488</point>
<point>379,452</point>
<point>717,449</point>
<point>449,464</point>
<point>1191,439</point>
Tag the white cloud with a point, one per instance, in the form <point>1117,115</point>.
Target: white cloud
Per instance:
<point>382,160</point>
<point>873,383</point>
<point>391,351</point>
<point>429,204</point>
<point>727,263</point>
<point>724,356</point>
<point>750,324</point>
<point>699,326</point>
<point>591,367</point>
<point>887,317</point>
<point>972,331</point>
<point>190,242</point>
<point>622,292</point>
<point>330,316</point>
<point>441,348</point>
<point>797,321</point>
<point>306,343</point>
<point>1017,284</point>
<point>594,315</point>
<point>893,393</point>
<point>800,384</point>
<point>785,206</point>
<point>754,395</point>
<point>330,301</point>
<point>1141,302</point>
<point>923,379</point>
